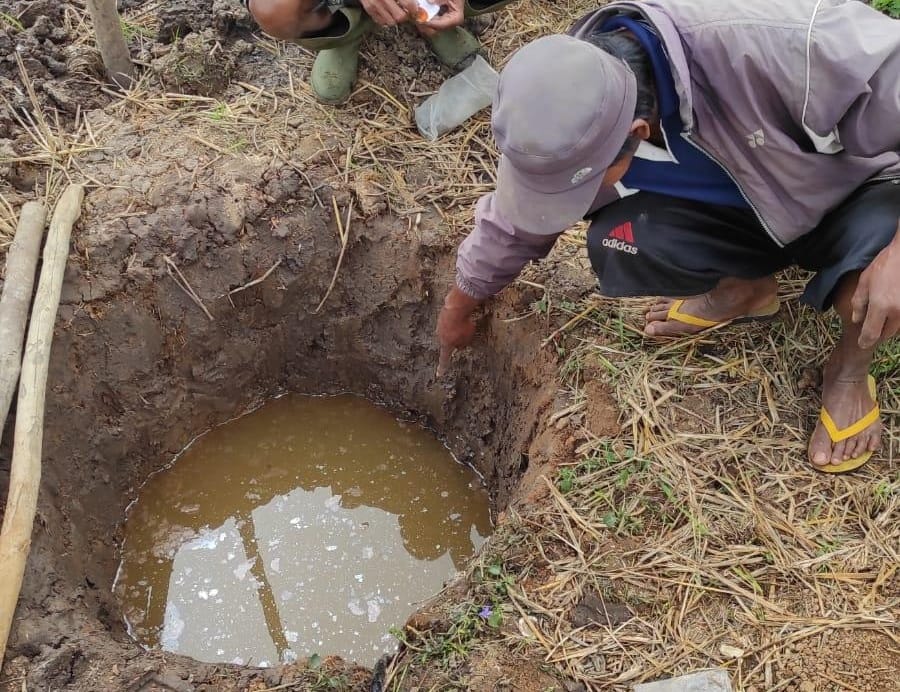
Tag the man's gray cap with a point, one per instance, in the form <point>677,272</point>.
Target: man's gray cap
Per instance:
<point>562,112</point>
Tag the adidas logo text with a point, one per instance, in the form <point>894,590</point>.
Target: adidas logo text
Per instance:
<point>619,245</point>
<point>621,238</point>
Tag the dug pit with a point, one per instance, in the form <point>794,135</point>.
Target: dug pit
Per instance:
<point>311,524</point>
<point>139,369</point>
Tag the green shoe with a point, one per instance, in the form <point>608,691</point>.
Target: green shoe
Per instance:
<point>454,47</point>
<point>334,73</point>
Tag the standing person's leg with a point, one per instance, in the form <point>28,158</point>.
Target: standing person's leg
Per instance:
<point>289,19</point>
<point>844,245</point>
<point>335,36</point>
<point>714,262</point>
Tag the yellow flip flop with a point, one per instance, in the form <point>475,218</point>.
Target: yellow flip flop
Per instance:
<point>767,313</point>
<point>837,434</point>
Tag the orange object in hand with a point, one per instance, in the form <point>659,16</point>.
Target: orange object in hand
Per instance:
<point>427,11</point>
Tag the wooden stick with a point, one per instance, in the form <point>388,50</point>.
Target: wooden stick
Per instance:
<point>344,235</point>
<point>21,261</point>
<point>250,284</point>
<point>25,474</point>
<point>185,286</point>
<point>111,42</point>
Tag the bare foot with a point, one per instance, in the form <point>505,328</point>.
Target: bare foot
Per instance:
<point>731,299</point>
<point>845,395</point>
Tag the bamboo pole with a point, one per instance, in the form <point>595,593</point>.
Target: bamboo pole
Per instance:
<point>21,260</point>
<point>25,474</point>
<point>111,42</point>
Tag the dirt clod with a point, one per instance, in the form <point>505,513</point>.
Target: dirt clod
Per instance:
<point>197,64</point>
<point>593,609</point>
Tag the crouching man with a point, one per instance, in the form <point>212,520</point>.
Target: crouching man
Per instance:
<point>711,143</point>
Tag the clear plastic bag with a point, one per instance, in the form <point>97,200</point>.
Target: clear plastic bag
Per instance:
<point>458,99</point>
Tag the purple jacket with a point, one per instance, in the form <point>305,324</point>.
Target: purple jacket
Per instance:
<point>798,100</point>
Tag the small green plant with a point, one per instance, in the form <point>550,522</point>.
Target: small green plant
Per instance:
<point>541,306</point>
<point>890,7</point>
<point>130,30</point>
<point>748,579</point>
<point>497,578</point>
<point>324,681</point>
<point>886,363</point>
<point>238,145</point>
<point>565,480</point>
<point>455,643</point>
<point>883,490</point>
<point>220,113</point>
<point>11,21</point>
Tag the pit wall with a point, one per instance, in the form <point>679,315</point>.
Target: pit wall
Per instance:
<point>138,369</point>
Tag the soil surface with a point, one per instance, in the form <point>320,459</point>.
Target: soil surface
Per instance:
<point>138,369</point>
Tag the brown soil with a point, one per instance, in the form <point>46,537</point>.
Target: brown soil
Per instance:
<point>138,370</point>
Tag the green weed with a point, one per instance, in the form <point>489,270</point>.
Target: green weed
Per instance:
<point>826,548</point>
<point>130,31</point>
<point>541,306</point>
<point>450,646</point>
<point>748,579</point>
<point>886,363</point>
<point>470,620</point>
<point>884,490</point>
<point>565,479</point>
<point>325,681</point>
<point>220,113</point>
<point>11,21</point>
<point>238,145</point>
<point>890,7</point>
<point>497,579</point>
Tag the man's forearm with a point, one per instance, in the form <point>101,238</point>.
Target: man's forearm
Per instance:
<point>494,253</point>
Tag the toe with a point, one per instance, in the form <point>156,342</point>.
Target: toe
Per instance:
<point>855,446</point>
<point>819,447</point>
<point>667,328</point>
<point>657,315</point>
<point>838,452</point>
<point>874,442</point>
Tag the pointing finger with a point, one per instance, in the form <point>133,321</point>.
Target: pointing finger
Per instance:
<point>860,301</point>
<point>872,327</point>
<point>444,360</point>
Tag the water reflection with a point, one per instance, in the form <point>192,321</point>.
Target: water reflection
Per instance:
<point>312,524</point>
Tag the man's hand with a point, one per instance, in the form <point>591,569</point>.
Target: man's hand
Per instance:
<point>876,301</point>
<point>455,328</point>
<point>390,12</point>
<point>451,17</point>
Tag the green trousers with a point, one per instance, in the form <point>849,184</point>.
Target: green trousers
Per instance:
<point>351,23</point>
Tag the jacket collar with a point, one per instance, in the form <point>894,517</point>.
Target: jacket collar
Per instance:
<point>654,12</point>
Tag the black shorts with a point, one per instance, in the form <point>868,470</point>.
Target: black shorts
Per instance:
<point>651,244</point>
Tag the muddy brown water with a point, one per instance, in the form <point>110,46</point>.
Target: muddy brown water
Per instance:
<point>311,525</point>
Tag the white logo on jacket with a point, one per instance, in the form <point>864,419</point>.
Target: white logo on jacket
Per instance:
<point>756,139</point>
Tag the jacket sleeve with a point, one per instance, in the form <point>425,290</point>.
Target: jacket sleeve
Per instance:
<point>495,252</point>
<point>853,81</point>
